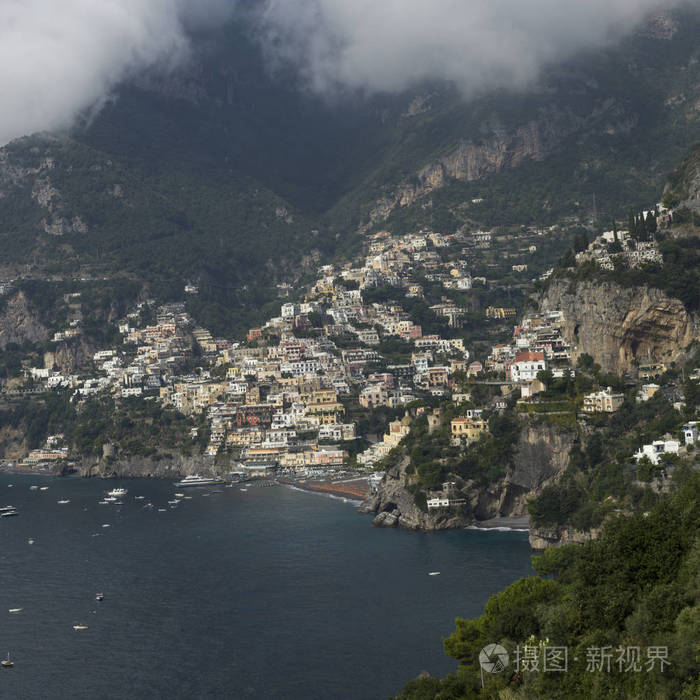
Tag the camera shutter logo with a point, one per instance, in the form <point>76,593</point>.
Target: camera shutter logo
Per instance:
<point>493,658</point>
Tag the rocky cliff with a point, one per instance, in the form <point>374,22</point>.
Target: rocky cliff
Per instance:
<point>171,467</point>
<point>19,323</point>
<point>543,538</point>
<point>470,160</point>
<point>620,325</point>
<point>542,455</point>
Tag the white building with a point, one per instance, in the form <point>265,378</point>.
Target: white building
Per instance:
<point>656,449</point>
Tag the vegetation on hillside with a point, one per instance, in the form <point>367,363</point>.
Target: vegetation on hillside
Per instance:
<point>607,611</point>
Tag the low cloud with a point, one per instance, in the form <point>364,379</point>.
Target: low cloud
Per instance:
<point>60,59</point>
<point>388,45</point>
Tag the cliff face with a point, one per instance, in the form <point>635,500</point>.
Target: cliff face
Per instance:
<point>541,538</point>
<point>471,161</point>
<point>541,457</point>
<point>18,323</point>
<point>618,325</point>
<point>173,467</point>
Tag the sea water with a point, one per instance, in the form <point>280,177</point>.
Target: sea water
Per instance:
<point>264,593</point>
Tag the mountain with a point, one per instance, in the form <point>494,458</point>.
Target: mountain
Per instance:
<point>229,175</point>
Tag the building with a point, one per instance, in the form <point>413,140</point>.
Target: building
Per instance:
<point>465,429</point>
<point>603,401</point>
<point>690,432</point>
<point>657,448</point>
<point>526,365</point>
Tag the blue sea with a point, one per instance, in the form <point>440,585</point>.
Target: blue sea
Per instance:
<point>264,593</point>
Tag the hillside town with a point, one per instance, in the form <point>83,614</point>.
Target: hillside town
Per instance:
<point>296,395</point>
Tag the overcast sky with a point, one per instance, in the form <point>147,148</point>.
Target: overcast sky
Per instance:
<point>60,59</point>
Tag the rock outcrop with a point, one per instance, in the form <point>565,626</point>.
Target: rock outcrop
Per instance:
<point>171,467</point>
<point>621,325</point>
<point>542,538</point>
<point>19,323</point>
<point>542,455</point>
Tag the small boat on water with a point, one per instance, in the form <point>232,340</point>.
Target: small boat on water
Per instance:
<point>139,498</point>
<point>174,502</point>
<point>433,573</point>
<point>197,480</point>
<point>31,540</point>
<point>103,503</point>
<point>106,525</point>
<point>64,500</point>
<point>6,663</point>
<point>80,627</point>
<point>14,611</point>
<point>5,508</point>
<point>33,488</point>
<point>9,513</point>
<point>99,596</point>
<point>44,488</point>
<point>117,492</point>
<point>162,510</point>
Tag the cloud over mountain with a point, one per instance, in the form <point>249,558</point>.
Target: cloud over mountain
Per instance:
<point>60,58</point>
<point>387,45</point>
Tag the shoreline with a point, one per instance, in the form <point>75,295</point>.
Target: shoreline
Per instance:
<point>340,490</point>
<point>518,523</point>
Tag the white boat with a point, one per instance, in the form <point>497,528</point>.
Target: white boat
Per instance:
<point>44,488</point>
<point>33,488</point>
<point>162,510</point>
<point>174,502</point>
<point>9,513</point>
<point>139,498</point>
<point>6,663</point>
<point>65,500</point>
<point>80,627</point>
<point>106,525</point>
<point>31,540</point>
<point>117,493</point>
<point>103,503</point>
<point>5,508</point>
<point>433,573</point>
<point>15,610</point>
<point>180,495</point>
<point>197,480</point>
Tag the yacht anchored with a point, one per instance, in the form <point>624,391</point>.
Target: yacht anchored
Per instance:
<point>6,663</point>
<point>116,493</point>
<point>197,480</point>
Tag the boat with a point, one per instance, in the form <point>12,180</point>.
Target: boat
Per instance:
<point>106,525</point>
<point>9,513</point>
<point>5,508</point>
<point>433,573</point>
<point>174,502</point>
<point>65,500</point>
<point>6,663</point>
<point>15,610</point>
<point>197,480</point>
<point>44,488</point>
<point>242,489</point>
<point>99,596</point>
<point>139,498</point>
<point>162,510</point>
<point>31,540</point>
<point>180,495</point>
<point>110,499</point>
<point>117,492</point>
<point>33,488</point>
<point>80,627</point>
<point>103,503</point>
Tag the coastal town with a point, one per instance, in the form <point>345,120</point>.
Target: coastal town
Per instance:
<point>332,384</point>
